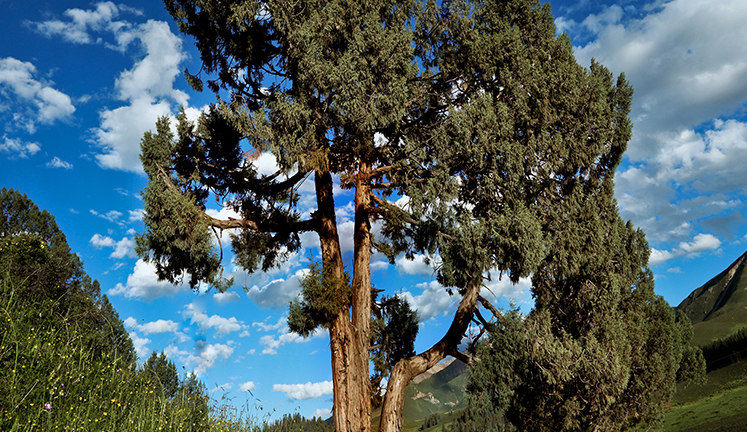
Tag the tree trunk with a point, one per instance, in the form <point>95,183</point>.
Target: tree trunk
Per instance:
<point>407,369</point>
<point>361,298</point>
<point>340,332</point>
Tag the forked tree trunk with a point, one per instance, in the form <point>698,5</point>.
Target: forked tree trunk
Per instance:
<point>407,369</point>
<point>350,391</point>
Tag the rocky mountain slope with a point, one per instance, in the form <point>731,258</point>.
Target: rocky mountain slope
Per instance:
<point>719,308</point>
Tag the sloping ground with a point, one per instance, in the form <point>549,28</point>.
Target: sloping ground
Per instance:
<point>719,308</point>
<point>719,404</point>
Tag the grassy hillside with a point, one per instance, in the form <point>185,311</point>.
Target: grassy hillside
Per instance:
<point>719,404</point>
<point>438,391</point>
<point>719,308</point>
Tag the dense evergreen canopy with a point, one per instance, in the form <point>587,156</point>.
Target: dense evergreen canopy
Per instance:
<point>498,147</point>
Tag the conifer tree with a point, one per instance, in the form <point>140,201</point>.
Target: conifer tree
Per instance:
<point>161,373</point>
<point>473,113</point>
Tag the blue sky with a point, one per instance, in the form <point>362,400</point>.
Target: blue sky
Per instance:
<point>81,81</point>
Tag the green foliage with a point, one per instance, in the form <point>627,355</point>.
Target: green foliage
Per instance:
<point>394,327</point>
<point>322,297</point>
<point>600,350</point>
<point>724,352</point>
<point>472,420</point>
<point>161,373</point>
<point>504,147</point>
<point>500,366</point>
<point>35,250</point>
<point>430,421</point>
<point>53,378</point>
<point>177,236</point>
<point>297,423</point>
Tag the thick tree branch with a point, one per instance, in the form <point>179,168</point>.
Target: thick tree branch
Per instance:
<point>489,306</point>
<point>406,369</point>
<point>262,226</point>
<point>283,226</point>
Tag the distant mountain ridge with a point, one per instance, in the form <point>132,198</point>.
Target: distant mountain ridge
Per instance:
<point>438,390</point>
<point>719,307</point>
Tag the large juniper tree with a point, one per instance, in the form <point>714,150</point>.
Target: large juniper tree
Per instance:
<point>474,115</point>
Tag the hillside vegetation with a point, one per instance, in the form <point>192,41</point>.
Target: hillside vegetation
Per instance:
<point>66,361</point>
<point>718,311</point>
<point>717,405</point>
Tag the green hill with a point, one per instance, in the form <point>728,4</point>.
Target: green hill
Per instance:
<point>719,308</point>
<point>437,391</point>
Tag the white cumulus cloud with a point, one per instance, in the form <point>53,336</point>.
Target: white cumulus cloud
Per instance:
<point>59,163</point>
<point>81,23</point>
<point>278,293</point>
<point>159,326</point>
<point>247,386</point>
<point>700,243</point>
<point>265,326</point>
<point>207,355</point>
<point>143,283</point>
<point>271,343</point>
<point>687,61</point>
<point>122,248</point>
<point>18,149</point>
<point>152,327</point>
<point>146,90</point>
<point>226,297</point>
<point>221,324</point>
<point>322,413</point>
<point>416,266</point>
<point>32,100</point>
<point>304,391</point>
<point>433,301</point>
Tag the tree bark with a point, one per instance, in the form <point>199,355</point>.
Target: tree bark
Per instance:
<point>407,369</point>
<point>361,297</point>
<point>340,332</point>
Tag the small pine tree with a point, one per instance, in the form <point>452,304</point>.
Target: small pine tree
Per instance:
<point>161,373</point>
<point>394,327</point>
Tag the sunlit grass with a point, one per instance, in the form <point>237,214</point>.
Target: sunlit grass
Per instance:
<point>718,404</point>
<point>49,380</point>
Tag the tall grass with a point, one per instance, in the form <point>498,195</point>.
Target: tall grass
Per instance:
<point>51,381</point>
